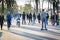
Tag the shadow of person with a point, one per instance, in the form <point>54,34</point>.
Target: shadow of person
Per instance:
<point>0,34</point>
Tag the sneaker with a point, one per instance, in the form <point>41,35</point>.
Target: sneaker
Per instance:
<point>8,28</point>
<point>41,29</point>
<point>45,29</point>
<point>1,29</point>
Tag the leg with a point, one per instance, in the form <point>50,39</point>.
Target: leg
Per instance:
<point>33,21</point>
<point>46,21</point>
<point>1,25</point>
<point>8,24</point>
<point>45,25</point>
<point>53,22</point>
<point>42,26</point>
<point>39,21</point>
<point>29,20</point>
<point>22,21</point>
<point>57,22</point>
<point>18,24</point>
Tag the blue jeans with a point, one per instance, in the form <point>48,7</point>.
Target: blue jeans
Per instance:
<point>46,20</point>
<point>34,21</point>
<point>43,23</point>
<point>55,21</point>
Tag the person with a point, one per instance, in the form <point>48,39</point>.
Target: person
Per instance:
<point>56,20</point>
<point>1,20</point>
<point>9,18</point>
<point>47,17</point>
<point>23,18</point>
<point>43,18</point>
<point>27,16</point>
<point>53,19</point>
<point>18,21</point>
<point>38,17</point>
<point>34,18</point>
<point>30,17</point>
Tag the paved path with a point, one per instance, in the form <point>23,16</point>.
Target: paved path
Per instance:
<point>30,32</point>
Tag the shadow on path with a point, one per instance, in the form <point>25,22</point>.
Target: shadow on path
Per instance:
<point>38,30</point>
<point>32,36</point>
<point>0,34</point>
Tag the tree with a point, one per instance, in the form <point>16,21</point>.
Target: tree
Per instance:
<point>55,7</point>
<point>21,9</point>
<point>0,0</point>
<point>36,1</point>
<point>9,4</point>
<point>2,6</point>
<point>26,8</point>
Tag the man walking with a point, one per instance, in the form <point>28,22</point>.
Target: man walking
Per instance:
<point>30,18</point>
<point>23,18</point>
<point>1,20</point>
<point>34,18</point>
<point>8,18</point>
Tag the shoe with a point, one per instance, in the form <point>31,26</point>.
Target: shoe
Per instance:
<point>1,29</point>
<point>8,28</point>
<point>45,29</point>
<point>41,29</point>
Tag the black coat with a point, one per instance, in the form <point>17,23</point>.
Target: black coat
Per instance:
<point>1,19</point>
<point>30,16</point>
<point>34,16</point>
<point>38,16</point>
<point>23,16</point>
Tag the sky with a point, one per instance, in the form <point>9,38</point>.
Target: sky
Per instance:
<point>21,2</point>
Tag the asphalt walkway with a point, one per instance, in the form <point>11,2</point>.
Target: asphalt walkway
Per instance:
<point>30,32</point>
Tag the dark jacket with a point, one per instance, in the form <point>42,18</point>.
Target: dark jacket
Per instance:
<point>38,16</point>
<point>23,16</point>
<point>30,16</point>
<point>34,16</point>
<point>56,17</point>
<point>47,16</point>
<point>8,17</point>
<point>1,19</point>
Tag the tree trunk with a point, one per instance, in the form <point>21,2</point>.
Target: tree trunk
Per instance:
<point>57,8</point>
<point>2,6</point>
<point>42,4</point>
<point>36,1</point>
<point>39,6</point>
<point>48,5</point>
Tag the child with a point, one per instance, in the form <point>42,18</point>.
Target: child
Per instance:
<point>18,21</point>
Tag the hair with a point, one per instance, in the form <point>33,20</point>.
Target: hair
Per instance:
<point>23,12</point>
<point>42,9</point>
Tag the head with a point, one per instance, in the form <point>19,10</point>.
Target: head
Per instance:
<point>0,14</point>
<point>42,9</point>
<point>8,11</point>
